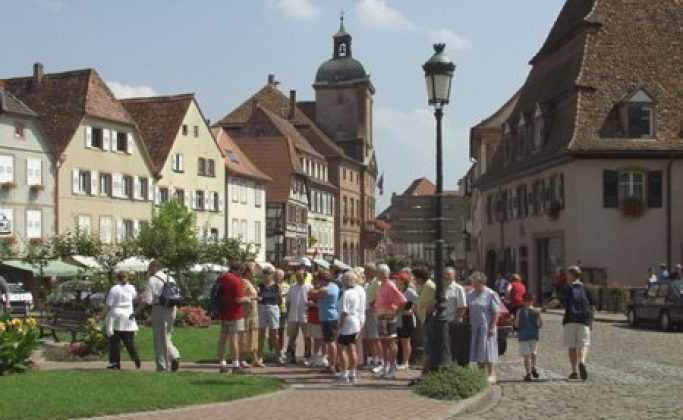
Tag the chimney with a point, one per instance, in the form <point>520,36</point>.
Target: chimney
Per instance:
<point>292,103</point>
<point>38,74</point>
<point>271,79</point>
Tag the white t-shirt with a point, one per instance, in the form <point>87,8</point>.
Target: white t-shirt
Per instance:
<point>455,297</point>
<point>297,298</point>
<point>154,285</point>
<point>363,302</point>
<point>121,296</point>
<point>351,305</point>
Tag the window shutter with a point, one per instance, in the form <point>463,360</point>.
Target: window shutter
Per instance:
<point>129,143</point>
<point>137,188</point>
<point>560,190</point>
<point>157,195</point>
<point>136,227</point>
<point>220,203</point>
<point>610,189</point>
<point>208,205</point>
<point>120,231</point>
<point>193,202</point>
<point>75,184</point>
<point>117,187</point>
<point>180,162</point>
<point>654,189</point>
<point>106,139</point>
<point>88,137</point>
<point>93,182</point>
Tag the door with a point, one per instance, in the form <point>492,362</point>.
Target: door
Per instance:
<point>491,263</point>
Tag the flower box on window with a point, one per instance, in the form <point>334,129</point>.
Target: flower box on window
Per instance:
<point>36,188</point>
<point>37,241</point>
<point>8,240</point>
<point>554,209</point>
<point>632,207</point>
<point>8,185</point>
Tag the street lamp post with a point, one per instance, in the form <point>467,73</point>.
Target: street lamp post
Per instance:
<point>439,71</point>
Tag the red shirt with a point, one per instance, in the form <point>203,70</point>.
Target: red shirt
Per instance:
<point>313,312</point>
<point>517,291</point>
<point>231,288</point>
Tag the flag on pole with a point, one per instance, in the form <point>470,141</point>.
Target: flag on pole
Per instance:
<point>380,184</point>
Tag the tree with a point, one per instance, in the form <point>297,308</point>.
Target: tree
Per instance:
<point>227,248</point>
<point>170,237</point>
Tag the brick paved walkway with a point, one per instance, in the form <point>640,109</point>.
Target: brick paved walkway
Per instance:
<point>309,395</point>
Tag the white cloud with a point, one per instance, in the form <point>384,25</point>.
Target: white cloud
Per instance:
<point>378,14</point>
<point>453,40</point>
<point>50,5</point>
<point>406,149</point>
<point>123,91</point>
<point>296,9</point>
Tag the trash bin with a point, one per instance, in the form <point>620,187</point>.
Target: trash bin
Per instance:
<point>460,334</point>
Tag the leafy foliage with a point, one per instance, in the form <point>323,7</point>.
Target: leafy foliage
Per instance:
<point>17,342</point>
<point>455,383</point>
<point>230,249</point>
<point>170,237</point>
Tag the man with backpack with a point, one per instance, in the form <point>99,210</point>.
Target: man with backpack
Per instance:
<point>162,294</point>
<point>577,322</point>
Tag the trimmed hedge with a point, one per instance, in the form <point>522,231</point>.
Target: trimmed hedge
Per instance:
<point>452,384</point>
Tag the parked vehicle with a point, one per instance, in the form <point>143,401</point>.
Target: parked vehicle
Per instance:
<point>662,303</point>
<point>21,300</point>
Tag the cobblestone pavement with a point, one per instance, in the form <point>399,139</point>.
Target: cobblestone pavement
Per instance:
<point>633,374</point>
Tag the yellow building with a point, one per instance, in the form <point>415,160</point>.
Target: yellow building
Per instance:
<point>104,176</point>
<point>187,161</point>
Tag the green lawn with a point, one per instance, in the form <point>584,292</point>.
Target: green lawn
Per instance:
<point>69,394</point>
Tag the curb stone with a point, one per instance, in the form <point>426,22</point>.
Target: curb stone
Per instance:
<point>488,397</point>
<point>611,318</point>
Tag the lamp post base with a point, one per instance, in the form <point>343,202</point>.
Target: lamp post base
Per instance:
<point>439,353</point>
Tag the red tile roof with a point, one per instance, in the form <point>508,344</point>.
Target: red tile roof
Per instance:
<point>62,100</point>
<point>239,163</point>
<point>159,119</point>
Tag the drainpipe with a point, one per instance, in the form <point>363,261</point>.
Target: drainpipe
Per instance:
<point>668,212</point>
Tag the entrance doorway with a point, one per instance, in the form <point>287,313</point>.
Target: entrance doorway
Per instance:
<point>491,267</point>
<point>548,261</point>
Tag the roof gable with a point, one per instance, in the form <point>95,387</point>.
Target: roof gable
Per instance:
<point>235,159</point>
<point>159,119</point>
<point>640,96</point>
<point>62,100</point>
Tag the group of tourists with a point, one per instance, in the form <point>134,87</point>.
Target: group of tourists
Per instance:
<point>349,320</point>
<point>653,276</point>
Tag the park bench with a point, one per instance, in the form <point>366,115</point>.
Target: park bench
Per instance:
<point>74,322</point>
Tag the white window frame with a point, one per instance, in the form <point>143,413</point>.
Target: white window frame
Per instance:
<point>235,228</point>
<point>244,229</point>
<point>257,232</point>
<point>243,192</point>
<point>34,171</point>
<point>105,231</point>
<point>34,224</point>
<point>628,186</point>
<point>84,223</point>
<point>6,168</point>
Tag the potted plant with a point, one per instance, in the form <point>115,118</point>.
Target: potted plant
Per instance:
<point>632,207</point>
<point>553,210</point>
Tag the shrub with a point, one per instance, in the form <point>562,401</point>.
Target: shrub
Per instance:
<point>194,316</point>
<point>17,342</point>
<point>455,383</point>
<point>620,296</point>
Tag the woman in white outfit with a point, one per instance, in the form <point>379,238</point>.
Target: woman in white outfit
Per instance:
<point>120,321</point>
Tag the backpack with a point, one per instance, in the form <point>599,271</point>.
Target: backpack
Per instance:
<point>170,294</point>
<point>215,300</point>
<point>579,304</point>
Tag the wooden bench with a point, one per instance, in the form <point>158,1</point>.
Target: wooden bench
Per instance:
<point>74,322</point>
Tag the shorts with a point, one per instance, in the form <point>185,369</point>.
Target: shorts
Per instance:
<point>347,339</point>
<point>386,328</point>
<point>316,331</point>
<point>576,336</point>
<point>268,316</point>
<point>528,347</point>
<point>293,328</point>
<point>283,320</point>
<point>370,329</point>
<point>329,330</point>
<point>407,327</point>
<point>232,327</point>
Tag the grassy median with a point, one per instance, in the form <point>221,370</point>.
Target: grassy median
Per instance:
<point>69,394</point>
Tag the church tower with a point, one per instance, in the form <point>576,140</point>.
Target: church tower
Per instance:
<point>343,98</point>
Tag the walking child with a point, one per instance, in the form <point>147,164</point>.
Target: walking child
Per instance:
<point>528,322</point>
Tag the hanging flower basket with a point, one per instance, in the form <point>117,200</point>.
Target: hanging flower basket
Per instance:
<point>632,207</point>
<point>8,185</point>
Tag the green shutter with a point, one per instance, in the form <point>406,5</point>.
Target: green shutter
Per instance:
<point>610,185</point>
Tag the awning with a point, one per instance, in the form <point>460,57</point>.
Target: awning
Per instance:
<point>86,261</point>
<point>321,262</point>
<point>138,264</point>
<point>53,268</point>
<point>215,268</point>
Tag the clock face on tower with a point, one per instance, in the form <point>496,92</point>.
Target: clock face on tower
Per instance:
<point>342,50</point>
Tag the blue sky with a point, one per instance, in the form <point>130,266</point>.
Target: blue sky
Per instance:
<point>223,50</point>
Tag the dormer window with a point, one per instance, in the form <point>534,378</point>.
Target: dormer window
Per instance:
<point>539,127</point>
<point>637,111</point>
<point>342,50</point>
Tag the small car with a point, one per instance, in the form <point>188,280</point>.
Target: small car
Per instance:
<point>661,303</point>
<point>21,300</point>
